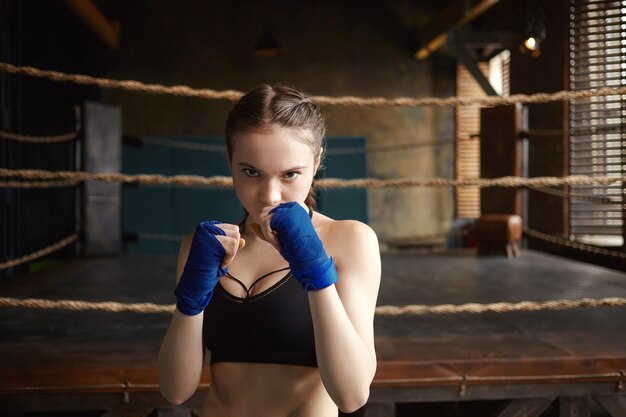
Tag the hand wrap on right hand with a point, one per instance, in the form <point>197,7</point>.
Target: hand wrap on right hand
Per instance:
<point>202,270</point>
<point>302,247</point>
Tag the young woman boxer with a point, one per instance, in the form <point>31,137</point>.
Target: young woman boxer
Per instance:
<point>284,302</point>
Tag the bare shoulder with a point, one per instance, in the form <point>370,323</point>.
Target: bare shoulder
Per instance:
<point>351,231</point>
<point>349,242</point>
<point>344,230</point>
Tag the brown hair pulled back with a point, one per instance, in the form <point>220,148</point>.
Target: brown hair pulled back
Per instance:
<point>278,105</point>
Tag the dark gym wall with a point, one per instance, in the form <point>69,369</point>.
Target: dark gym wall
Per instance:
<point>41,34</point>
<point>328,48</point>
<point>332,48</point>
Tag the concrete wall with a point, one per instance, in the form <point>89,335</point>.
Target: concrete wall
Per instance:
<point>329,48</point>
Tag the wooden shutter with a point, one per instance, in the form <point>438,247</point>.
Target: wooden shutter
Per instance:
<point>597,125</point>
<point>468,143</point>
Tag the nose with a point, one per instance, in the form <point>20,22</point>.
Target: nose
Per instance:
<point>270,192</point>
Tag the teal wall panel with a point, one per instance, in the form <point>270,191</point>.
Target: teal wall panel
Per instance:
<point>344,204</point>
<point>147,208</point>
<point>176,210</point>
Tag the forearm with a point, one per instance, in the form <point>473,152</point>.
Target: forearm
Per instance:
<point>347,366</point>
<point>181,357</point>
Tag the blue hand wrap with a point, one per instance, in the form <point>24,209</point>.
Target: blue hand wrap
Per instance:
<point>302,248</point>
<point>202,270</point>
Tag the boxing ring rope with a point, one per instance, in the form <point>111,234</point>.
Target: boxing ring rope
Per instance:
<point>572,244</point>
<point>39,184</point>
<point>65,137</point>
<point>329,183</point>
<point>385,310</point>
<point>40,253</point>
<point>233,95</point>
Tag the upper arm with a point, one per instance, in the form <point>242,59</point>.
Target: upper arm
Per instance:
<point>357,258</point>
<point>183,252</point>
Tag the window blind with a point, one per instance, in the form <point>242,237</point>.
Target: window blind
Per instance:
<point>597,58</point>
<point>468,143</point>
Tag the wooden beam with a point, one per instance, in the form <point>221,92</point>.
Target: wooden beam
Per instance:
<point>107,32</point>
<point>454,16</point>
<point>469,61</point>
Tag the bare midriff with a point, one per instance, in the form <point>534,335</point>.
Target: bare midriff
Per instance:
<point>254,389</point>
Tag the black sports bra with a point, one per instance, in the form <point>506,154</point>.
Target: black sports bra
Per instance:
<point>273,326</point>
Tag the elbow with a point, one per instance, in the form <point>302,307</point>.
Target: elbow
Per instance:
<point>173,395</point>
<point>352,400</point>
<point>173,398</point>
<point>355,401</point>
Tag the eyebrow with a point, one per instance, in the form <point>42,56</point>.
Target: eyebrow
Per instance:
<point>247,165</point>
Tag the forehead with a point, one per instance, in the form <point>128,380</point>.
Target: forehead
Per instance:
<point>271,146</point>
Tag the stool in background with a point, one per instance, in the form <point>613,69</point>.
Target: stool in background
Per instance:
<point>498,233</point>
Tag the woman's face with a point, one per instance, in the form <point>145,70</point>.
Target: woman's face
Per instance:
<point>271,166</point>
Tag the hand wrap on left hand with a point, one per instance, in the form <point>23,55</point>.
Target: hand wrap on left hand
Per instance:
<point>302,248</point>
<point>202,270</point>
